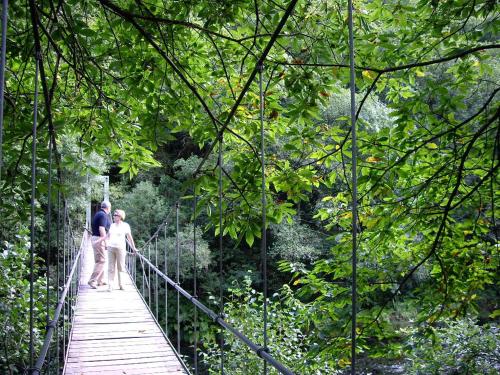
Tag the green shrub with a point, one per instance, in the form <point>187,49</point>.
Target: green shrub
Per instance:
<point>15,305</point>
<point>288,338</point>
<point>458,347</point>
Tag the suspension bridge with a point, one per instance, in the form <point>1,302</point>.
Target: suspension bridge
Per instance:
<point>115,332</point>
<point>92,331</point>
<point>98,331</point>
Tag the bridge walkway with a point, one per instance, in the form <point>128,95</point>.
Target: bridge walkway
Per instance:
<point>115,333</point>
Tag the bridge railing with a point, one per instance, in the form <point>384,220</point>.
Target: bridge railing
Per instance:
<point>52,354</point>
<point>156,270</point>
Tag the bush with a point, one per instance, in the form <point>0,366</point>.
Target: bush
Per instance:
<point>458,347</point>
<point>15,305</point>
<point>288,338</point>
<point>186,248</point>
<point>145,210</point>
<point>296,242</point>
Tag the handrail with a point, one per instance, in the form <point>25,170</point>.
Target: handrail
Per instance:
<point>53,323</point>
<point>259,350</point>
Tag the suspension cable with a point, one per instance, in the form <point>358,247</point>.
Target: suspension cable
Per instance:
<point>195,285</point>
<point>221,277</point>
<point>352,84</point>
<point>5,5</point>
<point>49,232</point>
<point>177,268</point>
<point>263,243</point>
<point>156,278</point>
<point>149,275</point>
<point>32,226</point>
<point>58,256</point>
<point>64,244</point>
<point>165,257</point>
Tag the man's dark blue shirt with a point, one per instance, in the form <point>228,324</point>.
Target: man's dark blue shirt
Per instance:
<point>101,219</point>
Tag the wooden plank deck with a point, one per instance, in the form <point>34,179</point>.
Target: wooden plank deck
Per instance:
<point>114,332</point>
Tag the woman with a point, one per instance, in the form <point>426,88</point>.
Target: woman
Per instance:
<point>119,232</point>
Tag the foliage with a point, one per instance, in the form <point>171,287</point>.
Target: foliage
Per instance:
<point>166,248</point>
<point>15,304</point>
<point>144,208</point>
<point>374,115</point>
<point>297,242</point>
<point>126,80</point>
<point>455,347</point>
<point>426,231</point>
<point>288,341</point>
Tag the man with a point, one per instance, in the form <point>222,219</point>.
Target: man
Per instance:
<point>100,227</point>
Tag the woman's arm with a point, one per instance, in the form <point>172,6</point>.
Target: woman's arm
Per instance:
<point>131,242</point>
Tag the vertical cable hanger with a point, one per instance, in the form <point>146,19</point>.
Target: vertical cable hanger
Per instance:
<point>221,277</point>
<point>49,236</point>
<point>58,256</point>
<point>64,256</point>
<point>33,192</point>
<point>5,5</point>
<point>149,275</point>
<point>156,277</point>
<point>33,186</point>
<point>177,255</point>
<point>143,279</point>
<point>195,285</point>
<point>352,84</point>
<point>166,283</point>
<point>263,243</point>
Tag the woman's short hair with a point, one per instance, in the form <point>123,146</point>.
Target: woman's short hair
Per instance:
<point>121,213</point>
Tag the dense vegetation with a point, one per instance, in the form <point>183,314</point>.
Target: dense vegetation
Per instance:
<point>142,90</point>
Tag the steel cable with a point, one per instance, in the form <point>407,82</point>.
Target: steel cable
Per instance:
<point>166,284</point>
<point>58,256</point>
<point>177,256</point>
<point>5,6</point>
<point>263,243</point>
<point>156,278</point>
<point>149,275</point>
<point>195,287</point>
<point>32,225</point>
<point>221,276</point>
<point>354,150</point>
<point>64,245</point>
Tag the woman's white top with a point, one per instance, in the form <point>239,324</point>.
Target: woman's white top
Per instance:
<point>117,234</point>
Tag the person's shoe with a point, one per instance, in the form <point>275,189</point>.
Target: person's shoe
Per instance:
<point>93,284</point>
<point>102,283</point>
<point>121,287</point>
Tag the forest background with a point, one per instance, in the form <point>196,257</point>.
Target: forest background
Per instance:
<point>140,91</point>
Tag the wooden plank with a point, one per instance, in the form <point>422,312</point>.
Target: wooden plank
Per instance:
<point>112,319</point>
<point>146,368</point>
<point>116,327</point>
<point>130,352</point>
<point>139,341</point>
<point>120,362</point>
<point>130,370</point>
<point>114,333</point>
<point>138,356</point>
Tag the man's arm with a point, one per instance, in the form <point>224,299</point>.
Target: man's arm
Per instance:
<point>102,234</point>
